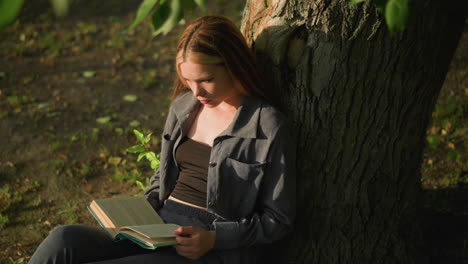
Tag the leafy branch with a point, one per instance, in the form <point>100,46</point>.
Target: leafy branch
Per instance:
<point>10,9</point>
<point>396,12</point>
<point>143,151</point>
<point>166,13</point>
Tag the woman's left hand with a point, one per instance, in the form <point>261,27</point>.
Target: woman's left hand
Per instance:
<point>193,241</point>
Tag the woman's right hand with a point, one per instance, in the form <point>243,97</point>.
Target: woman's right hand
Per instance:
<point>194,242</point>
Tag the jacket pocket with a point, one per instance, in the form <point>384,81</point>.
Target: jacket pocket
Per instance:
<point>246,171</point>
<point>244,180</point>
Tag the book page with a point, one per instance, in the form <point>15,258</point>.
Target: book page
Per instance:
<point>145,242</point>
<point>153,231</point>
<point>129,211</point>
<point>102,219</point>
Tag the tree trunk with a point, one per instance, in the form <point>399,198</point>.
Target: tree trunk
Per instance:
<point>360,99</point>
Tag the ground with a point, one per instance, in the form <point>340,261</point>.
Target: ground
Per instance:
<point>73,89</point>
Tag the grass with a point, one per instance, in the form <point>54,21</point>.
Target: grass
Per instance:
<point>12,196</point>
<point>69,212</point>
<point>56,142</point>
<point>445,158</point>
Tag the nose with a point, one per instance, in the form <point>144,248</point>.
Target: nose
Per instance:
<point>197,89</point>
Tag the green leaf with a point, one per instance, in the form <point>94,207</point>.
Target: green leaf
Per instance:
<point>148,138</point>
<point>188,4</point>
<point>433,141</point>
<point>61,7</point>
<point>151,156</point>
<point>380,4</point>
<point>103,120</point>
<point>155,164</point>
<point>396,14</point>
<point>145,8</point>
<point>136,149</point>
<point>130,98</point>
<point>134,123</point>
<point>140,185</point>
<point>354,2</point>
<point>89,74</point>
<point>139,136</point>
<point>202,3</point>
<point>173,15</point>
<point>161,15</point>
<point>114,160</point>
<point>453,155</point>
<point>9,10</point>
<point>142,155</point>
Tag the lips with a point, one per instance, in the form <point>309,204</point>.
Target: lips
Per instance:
<point>204,101</point>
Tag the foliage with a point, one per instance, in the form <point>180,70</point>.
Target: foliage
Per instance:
<point>11,196</point>
<point>445,163</point>
<point>396,12</point>
<point>166,13</point>
<point>69,211</point>
<point>60,7</point>
<point>10,9</point>
<point>143,152</point>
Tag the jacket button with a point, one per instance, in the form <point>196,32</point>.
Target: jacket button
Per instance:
<point>212,164</point>
<point>211,204</point>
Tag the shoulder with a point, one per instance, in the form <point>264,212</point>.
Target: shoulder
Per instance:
<point>271,121</point>
<point>271,118</point>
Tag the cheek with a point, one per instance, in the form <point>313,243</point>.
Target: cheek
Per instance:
<point>226,87</point>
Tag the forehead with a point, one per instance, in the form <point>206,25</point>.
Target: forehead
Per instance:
<point>190,70</point>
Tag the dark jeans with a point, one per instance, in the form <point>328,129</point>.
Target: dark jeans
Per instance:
<point>87,244</point>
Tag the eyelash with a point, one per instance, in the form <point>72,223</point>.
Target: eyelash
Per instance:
<point>208,80</point>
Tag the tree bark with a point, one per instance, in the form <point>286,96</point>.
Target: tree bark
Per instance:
<point>360,100</point>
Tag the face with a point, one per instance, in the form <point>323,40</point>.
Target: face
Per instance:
<point>211,84</point>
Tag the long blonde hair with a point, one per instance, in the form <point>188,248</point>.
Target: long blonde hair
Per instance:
<point>217,40</point>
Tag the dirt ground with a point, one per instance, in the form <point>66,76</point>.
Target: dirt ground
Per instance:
<point>71,92</point>
<point>73,89</point>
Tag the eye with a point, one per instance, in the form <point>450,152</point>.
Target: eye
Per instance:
<point>208,80</point>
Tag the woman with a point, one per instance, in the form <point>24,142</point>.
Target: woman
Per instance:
<point>227,164</point>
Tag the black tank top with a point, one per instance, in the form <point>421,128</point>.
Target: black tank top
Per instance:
<point>193,158</point>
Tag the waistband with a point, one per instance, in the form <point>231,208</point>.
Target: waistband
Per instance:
<point>188,210</point>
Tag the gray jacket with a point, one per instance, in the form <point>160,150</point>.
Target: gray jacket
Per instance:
<point>251,175</point>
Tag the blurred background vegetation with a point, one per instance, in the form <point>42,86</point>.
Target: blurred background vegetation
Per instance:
<point>72,90</point>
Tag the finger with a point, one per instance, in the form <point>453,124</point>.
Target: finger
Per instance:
<point>185,230</point>
<point>184,241</point>
<point>187,252</point>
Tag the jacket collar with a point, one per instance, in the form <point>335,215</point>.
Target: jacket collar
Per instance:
<point>244,123</point>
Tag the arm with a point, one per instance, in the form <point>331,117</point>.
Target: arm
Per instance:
<point>152,193</point>
<point>276,201</point>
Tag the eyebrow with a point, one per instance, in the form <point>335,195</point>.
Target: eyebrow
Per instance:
<point>201,79</point>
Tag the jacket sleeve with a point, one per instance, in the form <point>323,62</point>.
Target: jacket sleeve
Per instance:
<point>152,193</point>
<point>275,212</point>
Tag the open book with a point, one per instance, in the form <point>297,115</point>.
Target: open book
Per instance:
<point>133,218</point>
